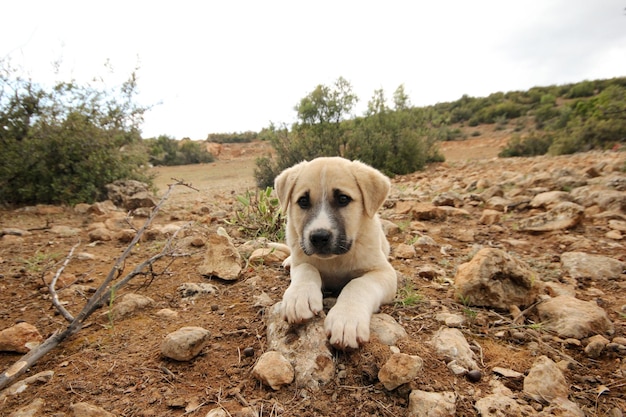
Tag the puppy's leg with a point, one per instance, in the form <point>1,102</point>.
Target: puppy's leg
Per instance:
<point>303,298</point>
<point>348,322</point>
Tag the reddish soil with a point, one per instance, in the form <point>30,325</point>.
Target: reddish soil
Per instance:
<point>117,364</point>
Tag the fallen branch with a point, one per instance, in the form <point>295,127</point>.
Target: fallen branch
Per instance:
<point>102,294</point>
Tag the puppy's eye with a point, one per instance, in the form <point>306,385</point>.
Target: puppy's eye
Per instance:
<point>304,202</point>
<point>343,200</point>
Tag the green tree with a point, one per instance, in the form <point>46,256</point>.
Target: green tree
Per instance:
<point>64,144</point>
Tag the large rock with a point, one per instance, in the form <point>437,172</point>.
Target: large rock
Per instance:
<point>432,404</point>
<point>580,265</point>
<point>399,369</point>
<point>185,343</point>
<point>19,338</point>
<point>564,215</point>
<point>545,383</point>
<point>129,304</point>
<point>305,346</point>
<point>571,317</point>
<point>494,278</point>
<point>130,194</point>
<point>221,259</point>
<point>274,369</point>
<point>451,345</point>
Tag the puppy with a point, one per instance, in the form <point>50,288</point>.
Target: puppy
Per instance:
<point>337,244</point>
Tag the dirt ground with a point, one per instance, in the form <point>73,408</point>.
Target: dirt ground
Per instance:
<point>116,364</point>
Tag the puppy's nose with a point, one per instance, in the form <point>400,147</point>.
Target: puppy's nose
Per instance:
<point>320,238</point>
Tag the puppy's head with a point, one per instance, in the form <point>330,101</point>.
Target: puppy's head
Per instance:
<point>328,201</point>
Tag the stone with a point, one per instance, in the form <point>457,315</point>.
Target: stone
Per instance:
<point>305,346</point>
<point>451,345</point>
<point>130,194</point>
<point>432,404</point>
<point>545,381</point>
<point>451,320</point>
<point>564,215</point>
<point>33,409</point>
<point>83,409</point>
<point>221,259</point>
<point>125,235</point>
<point>129,304</point>
<point>274,370</point>
<point>489,217</point>
<point>387,329</point>
<point>570,317</point>
<point>581,265</point>
<point>500,405</point>
<point>20,338</point>
<point>493,278</point>
<point>595,346</point>
<point>399,369</point>
<point>22,385</point>
<point>268,256</point>
<point>404,251</point>
<point>185,343</point>
<point>166,313</point>
<point>549,199</point>
<point>100,234</point>
<point>64,231</point>
<point>448,198</point>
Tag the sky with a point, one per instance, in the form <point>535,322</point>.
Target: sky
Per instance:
<point>234,66</point>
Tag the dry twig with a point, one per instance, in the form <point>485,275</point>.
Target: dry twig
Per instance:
<point>101,295</point>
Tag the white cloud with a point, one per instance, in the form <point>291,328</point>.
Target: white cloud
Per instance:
<point>234,66</point>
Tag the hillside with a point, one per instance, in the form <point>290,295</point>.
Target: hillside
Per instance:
<point>115,362</point>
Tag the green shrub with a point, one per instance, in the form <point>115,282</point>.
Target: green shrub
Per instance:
<point>168,151</point>
<point>64,144</point>
<point>259,215</point>
<point>531,145</point>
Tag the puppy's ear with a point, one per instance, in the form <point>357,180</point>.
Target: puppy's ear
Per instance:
<point>284,183</point>
<point>373,184</point>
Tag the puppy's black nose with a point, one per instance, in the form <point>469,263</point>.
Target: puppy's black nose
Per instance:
<point>320,238</point>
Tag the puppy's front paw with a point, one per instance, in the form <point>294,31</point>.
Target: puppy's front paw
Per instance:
<point>347,326</point>
<point>301,302</point>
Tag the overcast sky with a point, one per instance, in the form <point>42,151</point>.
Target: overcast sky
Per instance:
<point>232,66</point>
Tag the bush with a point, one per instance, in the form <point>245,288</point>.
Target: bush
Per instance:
<point>531,145</point>
<point>165,150</point>
<point>64,144</point>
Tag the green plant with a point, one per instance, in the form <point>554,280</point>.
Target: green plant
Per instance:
<point>259,215</point>
<point>40,262</point>
<point>408,296</point>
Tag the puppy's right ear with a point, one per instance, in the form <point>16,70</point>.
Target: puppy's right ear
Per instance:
<point>284,183</point>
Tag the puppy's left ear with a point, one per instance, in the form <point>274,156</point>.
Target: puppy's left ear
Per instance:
<point>373,184</point>
<point>284,183</point>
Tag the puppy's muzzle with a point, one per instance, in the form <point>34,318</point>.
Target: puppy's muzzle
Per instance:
<point>324,242</point>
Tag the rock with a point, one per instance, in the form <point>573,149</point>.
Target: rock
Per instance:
<point>14,231</point>
<point>31,410</point>
<point>129,304</point>
<point>500,405</point>
<point>448,198</point>
<point>65,231</point>
<point>84,409</point>
<point>217,412</point>
<point>426,211</point>
<point>262,300</point>
<point>102,207</point>
<point>549,199</point>
<point>618,225</point>
<point>22,385</point>
<point>432,404</point>
<point>489,217</point>
<point>451,345</point>
<point>404,251</point>
<point>545,381</point>
<point>386,329</point>
<point>20,338</point>
<point>125,235</point>
<point>562,216</point>
<point>580,265</point>
<point>305,346</point>
<point>268,256</point>
<point>192,290</point>
<point>494,278</point>
<point>185,343</point>
<point>399,369</point>
<point>221,258</point>
<point>595,346</point>
<point>100,234</point>
<point>274,370</point>
<point>497,204</point>
<point>451,320</point>
<point>130,194</point>
<point>571,317</point>
<point>166,313</point>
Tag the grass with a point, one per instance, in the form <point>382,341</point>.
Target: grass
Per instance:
<point>408,296</point>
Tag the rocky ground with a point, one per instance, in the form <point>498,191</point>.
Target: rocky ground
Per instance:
<point>511,301</point>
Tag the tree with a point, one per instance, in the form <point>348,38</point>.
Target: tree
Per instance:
<point>65,143</point>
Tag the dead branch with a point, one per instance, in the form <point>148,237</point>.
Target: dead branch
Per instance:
<point>52,286</point>
<point>101,295</point>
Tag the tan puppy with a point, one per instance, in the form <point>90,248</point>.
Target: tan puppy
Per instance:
<point>337,244</point>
